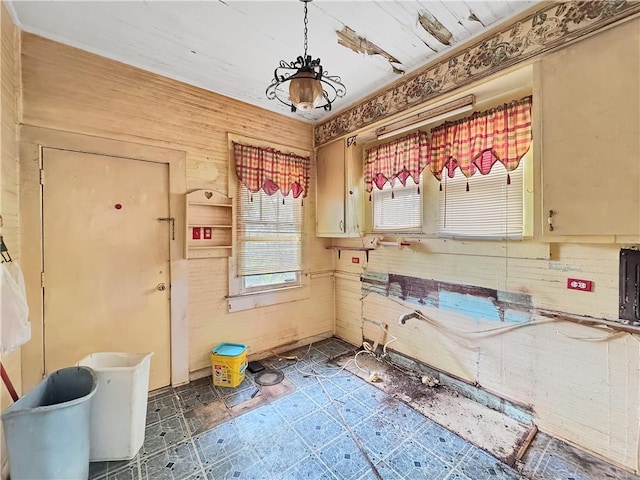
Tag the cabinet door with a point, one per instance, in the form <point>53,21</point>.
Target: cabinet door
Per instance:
<point>354,210</point>
<point>330,190</point>
<point>589,126</point>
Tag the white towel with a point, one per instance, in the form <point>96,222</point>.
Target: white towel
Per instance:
<point>15,329</point>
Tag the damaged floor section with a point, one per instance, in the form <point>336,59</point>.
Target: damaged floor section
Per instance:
<point>493,431</point>
<point>325,422</point>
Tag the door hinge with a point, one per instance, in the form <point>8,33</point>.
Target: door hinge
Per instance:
<point>41,176</point>
<point>42,279</point>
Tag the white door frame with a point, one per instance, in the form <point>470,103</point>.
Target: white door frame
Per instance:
<point>32,142</point>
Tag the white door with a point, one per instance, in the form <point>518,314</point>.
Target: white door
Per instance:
<point>106,259</point>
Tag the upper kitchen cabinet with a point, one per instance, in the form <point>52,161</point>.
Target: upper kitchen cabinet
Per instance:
<point>339,190</point>
<point>587,136</point>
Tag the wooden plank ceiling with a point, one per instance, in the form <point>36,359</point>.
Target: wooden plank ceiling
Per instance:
<point>232,47</point>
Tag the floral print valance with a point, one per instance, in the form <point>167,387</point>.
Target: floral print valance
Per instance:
<point>271,170</point>
<point>476,143</point>
<point>401,158</point>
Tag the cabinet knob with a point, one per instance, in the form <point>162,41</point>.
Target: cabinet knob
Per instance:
<point>161,287</point>
<point>341,225</point>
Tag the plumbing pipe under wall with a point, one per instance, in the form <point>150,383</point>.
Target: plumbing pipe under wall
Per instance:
<point>407,316</point>
<point>400,243</point>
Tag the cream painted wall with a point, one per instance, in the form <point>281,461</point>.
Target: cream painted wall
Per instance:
<point>74,91</point>
<point>9,111</point>
<point>582,383</point>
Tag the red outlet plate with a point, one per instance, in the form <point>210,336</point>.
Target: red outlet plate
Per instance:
<point>195,235</point>
<point>206,233</point>
<point>578,284</point>
<point>355,260</point>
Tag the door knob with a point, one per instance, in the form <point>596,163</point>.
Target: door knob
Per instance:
<point>162,287</point>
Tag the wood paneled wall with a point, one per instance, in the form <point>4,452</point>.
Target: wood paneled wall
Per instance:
<point>71,90</point>
<point>9,112</point>
<point>582,383</point>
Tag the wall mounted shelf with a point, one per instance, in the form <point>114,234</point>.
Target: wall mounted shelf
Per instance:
<point>209,231</point>
<point>366,250</point>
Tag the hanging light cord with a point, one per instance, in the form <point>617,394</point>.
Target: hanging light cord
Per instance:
<point>305,29</point>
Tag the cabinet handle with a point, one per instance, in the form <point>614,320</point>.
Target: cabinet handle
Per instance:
<point>550,220</point>
<point>341,225</point>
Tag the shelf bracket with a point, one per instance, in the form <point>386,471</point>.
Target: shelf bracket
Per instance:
<point>366,250</point>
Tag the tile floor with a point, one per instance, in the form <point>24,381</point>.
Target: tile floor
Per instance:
<point>340,428</point>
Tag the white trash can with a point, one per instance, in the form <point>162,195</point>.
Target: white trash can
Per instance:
<point>119,409</point>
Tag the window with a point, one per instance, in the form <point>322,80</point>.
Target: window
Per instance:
<point>269,240</point>
<point>267,266</point>
<point>489,146</point>
<point>397,207</point>
<point>492,208</point>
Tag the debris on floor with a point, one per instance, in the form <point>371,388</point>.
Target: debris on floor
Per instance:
<point>322,421</point>
<point>374,377</point>
<point>430,381</point>
<point>488,429</point>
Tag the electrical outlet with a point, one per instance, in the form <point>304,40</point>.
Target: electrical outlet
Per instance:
<point>355,259</point>
<point>578,284</point>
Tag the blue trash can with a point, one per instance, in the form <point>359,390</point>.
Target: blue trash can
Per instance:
<point>47,430</point>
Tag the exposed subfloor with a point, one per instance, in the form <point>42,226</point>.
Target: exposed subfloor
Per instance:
<point>308,427</point>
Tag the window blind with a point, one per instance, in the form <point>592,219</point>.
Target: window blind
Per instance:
<point>269,233</point>
<point>398,208</point>
<point>490,209</point>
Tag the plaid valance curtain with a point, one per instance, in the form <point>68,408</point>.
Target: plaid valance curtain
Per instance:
<point>476,143</point>
<point>271,170</point>
<point>472,144</point>
<point>401,158</point>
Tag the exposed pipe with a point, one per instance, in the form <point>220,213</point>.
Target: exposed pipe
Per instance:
<point>407,316</point>
<point>399,243</point>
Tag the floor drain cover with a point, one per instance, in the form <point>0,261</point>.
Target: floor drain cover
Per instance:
<point>269,377</point>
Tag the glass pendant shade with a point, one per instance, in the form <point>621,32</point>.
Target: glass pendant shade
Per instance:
<point>309,85</point>
<point>305,91</point>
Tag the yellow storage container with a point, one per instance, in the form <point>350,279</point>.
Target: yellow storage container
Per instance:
<point>228,364</point>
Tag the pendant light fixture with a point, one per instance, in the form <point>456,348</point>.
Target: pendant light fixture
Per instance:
<point>308,84</point>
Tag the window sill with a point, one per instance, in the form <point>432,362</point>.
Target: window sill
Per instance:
<point>440,236</point>
<point>264,298</point>
<point>485,238</point>
<point>523,248</point>
<point>395,232</point>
